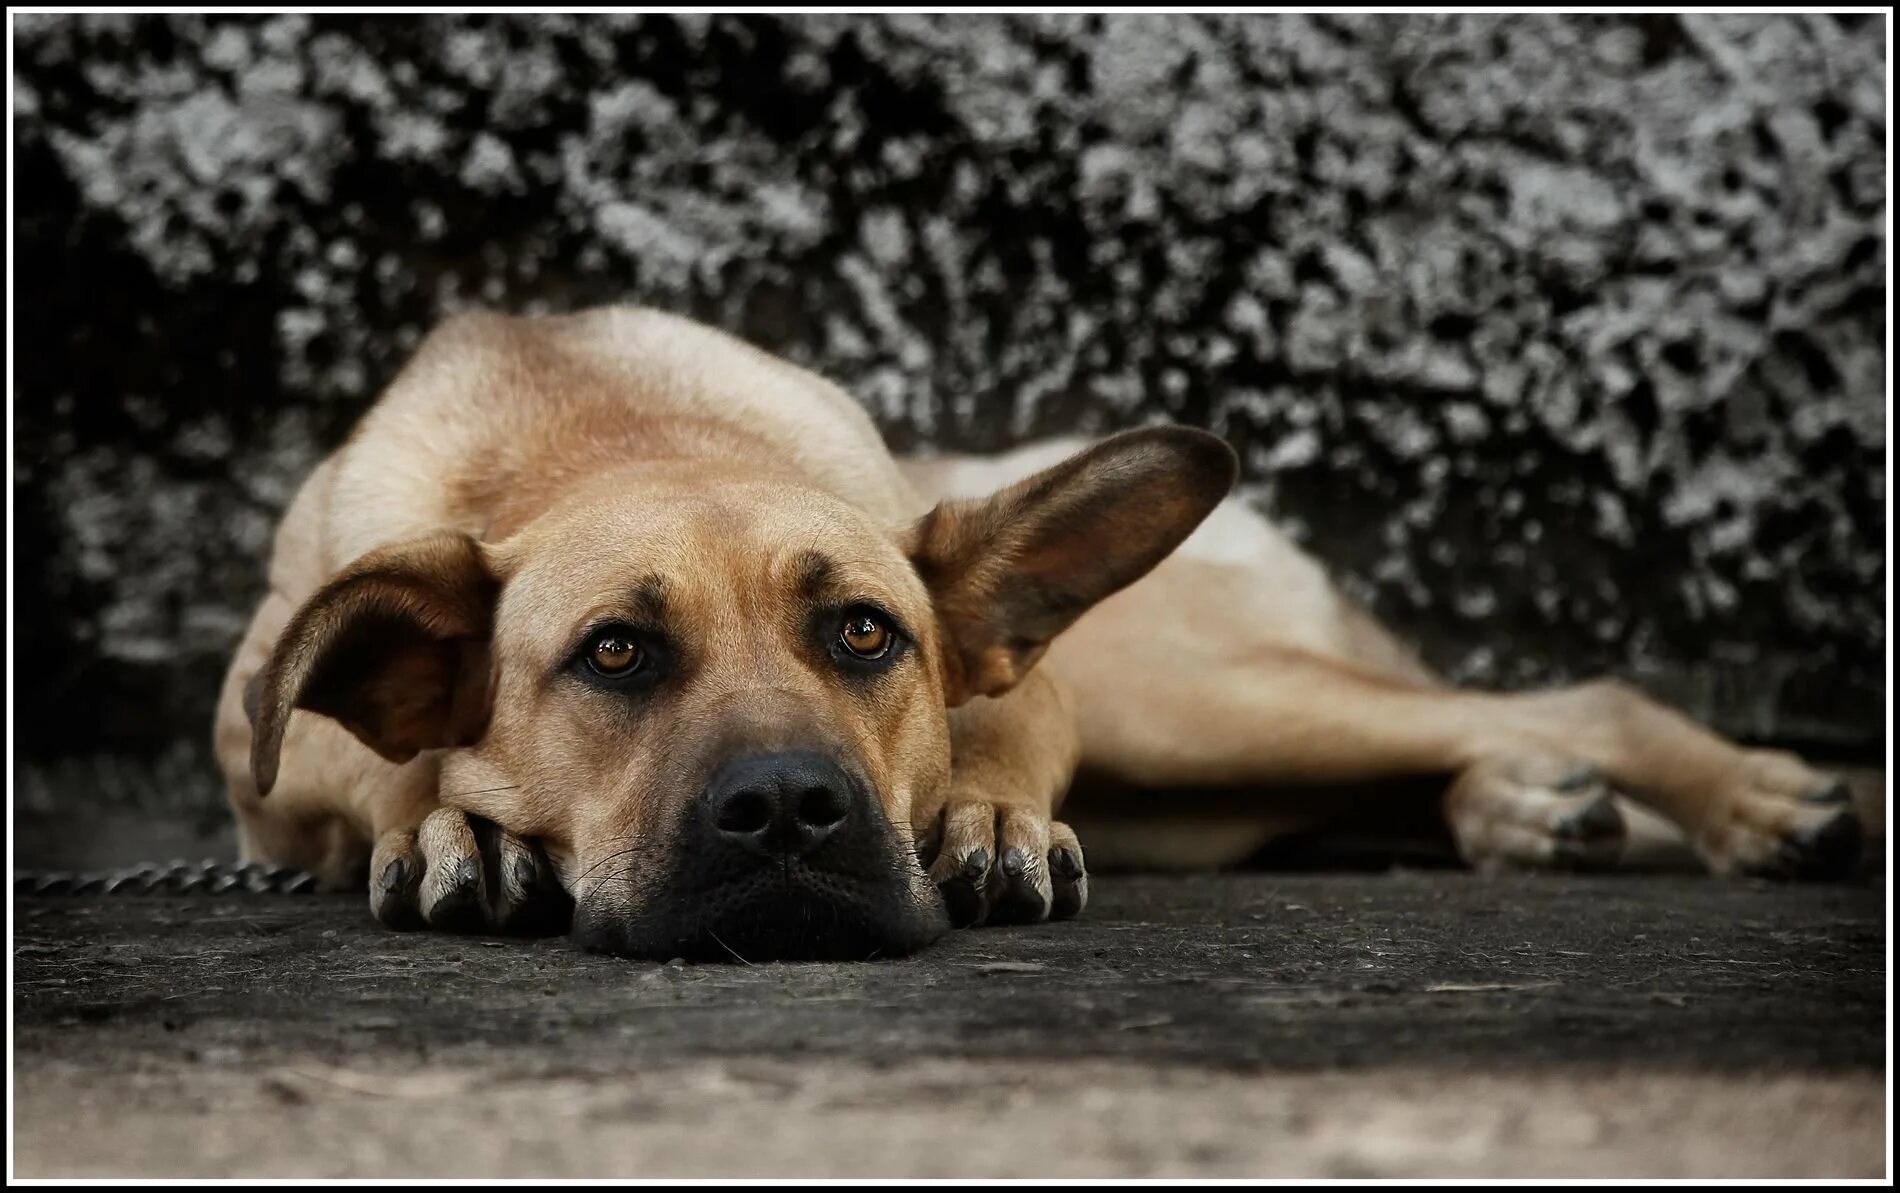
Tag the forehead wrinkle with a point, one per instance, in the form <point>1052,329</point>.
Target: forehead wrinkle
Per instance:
<point>814,571</point>
<point>817,578</point>
<point>642,602</point>
<point>750,629</point>
<point>646,598</point>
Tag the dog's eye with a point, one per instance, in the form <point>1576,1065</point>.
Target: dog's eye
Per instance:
<point>615,654</point>
<point>865,634</point>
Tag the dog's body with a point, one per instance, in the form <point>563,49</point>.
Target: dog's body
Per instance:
<point>523,475</point>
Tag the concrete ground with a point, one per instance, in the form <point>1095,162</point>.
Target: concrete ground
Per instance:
<point>1410,1023</point>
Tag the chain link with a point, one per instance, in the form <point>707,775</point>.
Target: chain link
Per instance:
<point>179,878</point>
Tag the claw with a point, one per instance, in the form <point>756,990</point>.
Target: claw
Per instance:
<point>395,876</point>
<point>1070,893</point>
<point>1836,792</point>
<point>1023,900</point>
<point>976,865</point>
<point>459,907</point>
<point>1016,863</point>
<point>1598,818</point>
<point>1829,849</point>
<point>964,892</point>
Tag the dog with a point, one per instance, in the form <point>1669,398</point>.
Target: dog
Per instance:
<point>610,622</point>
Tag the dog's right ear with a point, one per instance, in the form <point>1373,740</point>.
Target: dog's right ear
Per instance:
<point>1009,572</point>
<point>395,648</point>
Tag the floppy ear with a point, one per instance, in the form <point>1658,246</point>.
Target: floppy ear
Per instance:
<point>395,648</point>
<point>1009,572</point>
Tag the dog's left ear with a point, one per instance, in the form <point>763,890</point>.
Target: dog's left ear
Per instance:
<point>395,648</point>
<point>1009,572</point>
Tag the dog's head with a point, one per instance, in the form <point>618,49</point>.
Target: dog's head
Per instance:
<point>719,705</point>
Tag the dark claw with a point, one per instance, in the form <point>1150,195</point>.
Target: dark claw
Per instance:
<point>1834,793</point>
<point>1071,884</point>
<point>1828,850</point>
<point>525,874</point>
<point>461,910</point>
<point>1020,902</point>
<point>1590,837</point>
<point>545,909</point>
<point>398,884</point>
<point>468,874</point>
<point>395,876</point>
<point>964,894</point>
<point>1597,819</point>
<point>1065,865</point>
<point>976,865</point>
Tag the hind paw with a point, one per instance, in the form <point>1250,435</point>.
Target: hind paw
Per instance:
<point>1535,816</point>
<point>1779,819</point>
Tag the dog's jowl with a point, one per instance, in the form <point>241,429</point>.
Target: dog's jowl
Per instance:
<point>609,620</point>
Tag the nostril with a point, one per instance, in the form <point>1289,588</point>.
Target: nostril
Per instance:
<point>745,812</point>
<point>777,804</point>
<point>822,807</point>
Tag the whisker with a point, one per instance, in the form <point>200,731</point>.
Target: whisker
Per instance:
<point>727,947</point>
<point>483,791</point>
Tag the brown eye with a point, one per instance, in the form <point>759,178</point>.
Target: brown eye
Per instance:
<point>614,655</point>
<point>865,635</point>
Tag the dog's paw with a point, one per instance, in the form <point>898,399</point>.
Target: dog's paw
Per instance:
<point>996,864</point>
<point>1535,815</point>
<point>1778,818</point>
<point>461,873</point>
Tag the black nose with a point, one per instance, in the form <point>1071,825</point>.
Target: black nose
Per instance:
<point>780,804</point>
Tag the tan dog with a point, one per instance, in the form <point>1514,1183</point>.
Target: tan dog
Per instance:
<point>613,607</point>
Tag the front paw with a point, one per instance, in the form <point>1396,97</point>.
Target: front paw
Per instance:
<point>461,873</point>
<point>997,864</point>
<point>1777,818</point>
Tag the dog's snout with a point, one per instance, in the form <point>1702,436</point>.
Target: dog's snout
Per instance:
<point>784,854</point>
<point>780,804</point>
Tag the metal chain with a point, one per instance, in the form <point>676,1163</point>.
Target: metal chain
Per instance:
<point>179,878</point>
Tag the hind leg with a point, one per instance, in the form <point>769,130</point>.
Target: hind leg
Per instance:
<point>1174,690</point>
<point>1744,811</point>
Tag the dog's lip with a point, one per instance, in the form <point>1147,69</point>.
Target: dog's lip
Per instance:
<point>799,880</point>
<point>820,872</point>
<point>771,915</point>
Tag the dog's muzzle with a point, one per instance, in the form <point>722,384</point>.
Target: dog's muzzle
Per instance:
<point>784,856</point>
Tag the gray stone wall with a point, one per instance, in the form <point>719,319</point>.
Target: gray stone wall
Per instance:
<point>1560,338</point>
